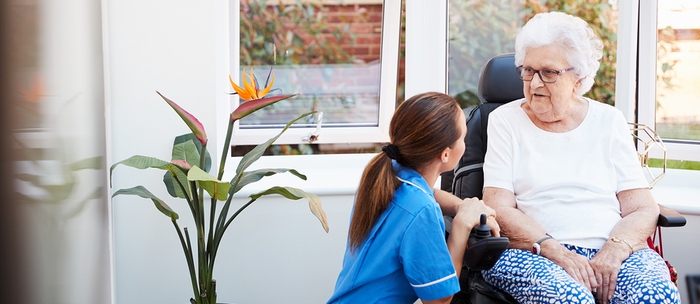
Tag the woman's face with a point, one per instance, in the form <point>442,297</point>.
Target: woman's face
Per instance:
<point>549,101</point>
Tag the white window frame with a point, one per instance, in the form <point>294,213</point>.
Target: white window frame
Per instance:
<point>677,149</point>
<point>391,23</point>
<point>426,46</point>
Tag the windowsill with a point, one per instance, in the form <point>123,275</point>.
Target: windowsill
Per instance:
<point>679,190</point>
<point>327,174</point>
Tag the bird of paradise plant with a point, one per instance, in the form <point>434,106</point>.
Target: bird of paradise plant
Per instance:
<point>186,177</point>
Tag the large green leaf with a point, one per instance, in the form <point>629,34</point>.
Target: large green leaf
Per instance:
<point>185,147</point>
<point>173,187</point>
<point>256,175</point>
<point>216,188</point>
<point>186,151</point>
<point>258,151</point>
<point>189,136</point>
<point>144,162</point>
<point>296,194</point>
<point>143,192</point>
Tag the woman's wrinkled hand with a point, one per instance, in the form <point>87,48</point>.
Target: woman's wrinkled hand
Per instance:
<point>576,265</point>
<point>606,265</point>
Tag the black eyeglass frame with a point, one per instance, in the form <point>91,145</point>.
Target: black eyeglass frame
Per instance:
<point>520,68</point>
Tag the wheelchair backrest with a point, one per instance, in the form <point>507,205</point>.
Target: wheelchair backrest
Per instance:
<point>498,84</point>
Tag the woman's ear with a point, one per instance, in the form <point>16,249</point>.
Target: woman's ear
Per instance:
<point>445,155</point>
<point>578,83</point>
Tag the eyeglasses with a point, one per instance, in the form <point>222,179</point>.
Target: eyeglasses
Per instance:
<point>546,75</point>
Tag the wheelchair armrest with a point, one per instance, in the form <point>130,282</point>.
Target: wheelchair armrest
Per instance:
<point>670,218</point>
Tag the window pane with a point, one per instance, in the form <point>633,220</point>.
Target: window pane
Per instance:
<point>678,70</point>
<point>478,30</point>
<point>326,51</point>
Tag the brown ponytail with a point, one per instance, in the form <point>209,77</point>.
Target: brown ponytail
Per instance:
<point>421,128</point>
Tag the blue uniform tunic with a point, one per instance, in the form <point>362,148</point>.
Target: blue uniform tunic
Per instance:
<point>405,255</point>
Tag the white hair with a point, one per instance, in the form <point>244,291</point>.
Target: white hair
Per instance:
<point>582,47</point>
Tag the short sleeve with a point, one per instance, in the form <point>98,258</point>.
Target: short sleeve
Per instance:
<point>426,260</point>
<point>624,157</point>
<point>498,162</point>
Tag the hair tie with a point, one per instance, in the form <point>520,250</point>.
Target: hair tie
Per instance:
<point>391,151</point>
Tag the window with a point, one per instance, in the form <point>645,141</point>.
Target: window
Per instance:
<point>669,97</point>
<point>342,56</point>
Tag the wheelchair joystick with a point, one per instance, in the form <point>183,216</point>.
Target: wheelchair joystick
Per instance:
<point>483,250</point>
<point>479,232</point>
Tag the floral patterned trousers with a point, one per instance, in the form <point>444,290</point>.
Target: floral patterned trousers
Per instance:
<point>530,278</point>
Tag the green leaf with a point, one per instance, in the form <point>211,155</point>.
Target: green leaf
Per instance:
<point>189,136</point>
<point>144,162</point>
<point>256,175</point>
<point>173,187</point>
<point>183,149</point>
<point>186,151</point>
<point>143,192</point>
<point>216,188</point>
<point>296,194</point>
<point>258,151</point>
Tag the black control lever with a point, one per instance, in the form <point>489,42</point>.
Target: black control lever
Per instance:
<point>483,250</point>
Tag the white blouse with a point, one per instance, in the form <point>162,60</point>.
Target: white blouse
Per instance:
<point>567,182</point>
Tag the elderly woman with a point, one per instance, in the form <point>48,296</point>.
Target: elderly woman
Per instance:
<point>563,176</point>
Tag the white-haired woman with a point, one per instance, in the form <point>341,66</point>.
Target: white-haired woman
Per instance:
<point>563,176</point>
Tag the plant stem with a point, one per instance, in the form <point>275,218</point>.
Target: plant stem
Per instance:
<point>220,232</point>
<point>187,248</point>
<point>224,153</point>
<point>211,238</point>
<point>212,246</point>
<point>236,214</point>
<point>189,200</point>
<point>202,269</point>
<point>212,213</point>
<point>222,217</point>
<point>213,291</point>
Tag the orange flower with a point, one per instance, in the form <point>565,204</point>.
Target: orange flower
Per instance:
<point>251,90</point>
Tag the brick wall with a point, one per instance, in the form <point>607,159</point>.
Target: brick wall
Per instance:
<point>365,23</point>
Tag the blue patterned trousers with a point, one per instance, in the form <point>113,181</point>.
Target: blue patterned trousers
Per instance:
<point>530,278</point>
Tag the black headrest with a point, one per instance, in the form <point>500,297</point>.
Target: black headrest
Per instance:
<point>499,83</point>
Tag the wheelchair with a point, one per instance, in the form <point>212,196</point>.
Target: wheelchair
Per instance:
<point>498,84</point>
